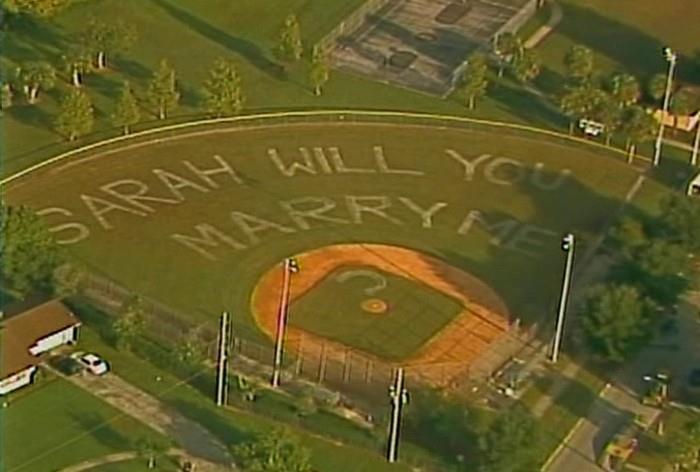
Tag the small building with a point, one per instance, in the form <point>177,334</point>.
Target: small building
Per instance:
<point>25,336</point>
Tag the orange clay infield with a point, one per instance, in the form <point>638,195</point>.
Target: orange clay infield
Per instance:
<point>450,352</point>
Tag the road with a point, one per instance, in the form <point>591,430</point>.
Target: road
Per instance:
<point>619,402</point>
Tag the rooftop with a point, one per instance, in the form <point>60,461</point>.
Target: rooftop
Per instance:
<point>20,331</point>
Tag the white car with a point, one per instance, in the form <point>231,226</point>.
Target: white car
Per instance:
<point>94,364</point>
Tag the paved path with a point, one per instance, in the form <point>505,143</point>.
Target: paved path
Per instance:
<point>179,454</point>
<point>620,402</point>
<point>195,440</point>
<point>539,35</point>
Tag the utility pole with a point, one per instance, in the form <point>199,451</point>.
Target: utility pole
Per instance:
<point>222,364</point>
<point>399,397</point>
<point>289,267</point>
<point>567,245</point>
<point>696,144</point>
<point>671,57</point>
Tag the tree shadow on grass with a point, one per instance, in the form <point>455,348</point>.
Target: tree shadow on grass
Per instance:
<point>101,429</point>
<point>132,68</point>
<point>31,115</point>
<point>214,422</point>
<point>527,106</point>
<point>638,51</point>
<point>249,50</point>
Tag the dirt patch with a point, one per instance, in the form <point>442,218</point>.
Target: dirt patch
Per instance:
<point>445,356</point>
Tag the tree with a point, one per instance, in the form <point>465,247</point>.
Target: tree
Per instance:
<point>526,65</point>
<point>35,76</point>
<point>276,451</point>
<point>68,279</point>
<point>130,323</point>
<point>682,104</point>
<point>474,81</point>
<point>29,253</point>
<point>149,450</point>
<point>76,116</point>
<point>579,101</point>
<point>607,112</point>
<point>41,8</point>
<point>661,270</point>
<point>680,221</point>
<point>657,86</point>
<point>108,37</point>
<point>442,423</point>
<point>190,348</point>
<point>616,320</point>
<point>638,126</point>
<point>6,96</point>
<point>222,91</point>
<point>511,443</point>
<point>629,234</point>
<point>625,90</point>
<point>127,113</point>
<point>579,64</point>
<point>684,447</point>
<point>506,46</point>
<point>320,71</point>
<point>162,91</point>
<point>77,63</point>
<point>291,47</point>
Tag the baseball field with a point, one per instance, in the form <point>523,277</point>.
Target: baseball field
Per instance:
<point>417,243</point>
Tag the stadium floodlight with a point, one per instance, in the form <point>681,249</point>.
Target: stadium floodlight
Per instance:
<point>671,57</point>
<point>222,363</point>
<point>289,267</point>
<point>399,397</point>
<point>568,244</point>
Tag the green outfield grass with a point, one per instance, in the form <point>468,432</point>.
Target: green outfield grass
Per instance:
<point>55,424</point>
<point>333,309</point>
<point>513,245</point>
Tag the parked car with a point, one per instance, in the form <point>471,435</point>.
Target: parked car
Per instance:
<point>92,362</point>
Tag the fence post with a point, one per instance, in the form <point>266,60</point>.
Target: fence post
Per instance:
<point>300,354</point>
<point>347,359</point>
<point>322,364</point>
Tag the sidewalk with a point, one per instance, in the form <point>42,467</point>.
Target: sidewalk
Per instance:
<point>539,35</point>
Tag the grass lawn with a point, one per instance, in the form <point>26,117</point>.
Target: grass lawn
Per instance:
<point>139,465</point>
<point>572,403</point>
<point>517,233</point>
<point>54,424</point>
<point>626,35</point>
<point>333,309</point>
<point>652,453</point>
<point>233,426</point>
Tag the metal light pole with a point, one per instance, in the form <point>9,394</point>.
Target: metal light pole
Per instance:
<point>567,244</point>
<point>399,397</point>
<point>222,368</point>
<point>696,145</point>
<point>671,57</point>
<point>289,267</point>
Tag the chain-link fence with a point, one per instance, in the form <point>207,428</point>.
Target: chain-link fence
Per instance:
<point>352,22</point>
<point>327,363</point>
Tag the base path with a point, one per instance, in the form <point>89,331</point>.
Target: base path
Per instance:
<point>483,320</point>
<point>196,441</point>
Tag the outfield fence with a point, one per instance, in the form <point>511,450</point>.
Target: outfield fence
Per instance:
<point>346,370</point>
<point>262,120</point>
